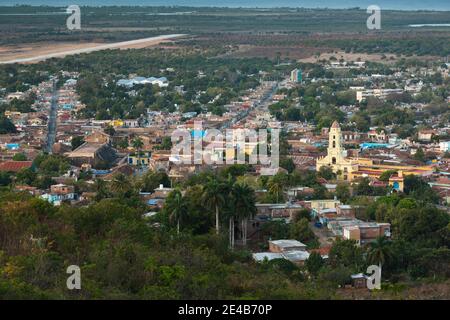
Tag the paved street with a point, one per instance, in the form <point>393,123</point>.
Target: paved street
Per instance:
<point>51,134</point>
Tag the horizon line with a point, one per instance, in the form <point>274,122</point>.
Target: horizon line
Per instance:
<point>219,7</point>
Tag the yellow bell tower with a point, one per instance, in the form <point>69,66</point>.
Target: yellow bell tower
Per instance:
<point>335,150</point>
<point>335,154</point>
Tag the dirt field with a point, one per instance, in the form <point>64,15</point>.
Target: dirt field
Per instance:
<point>37,49</point>
<point>35,52</point>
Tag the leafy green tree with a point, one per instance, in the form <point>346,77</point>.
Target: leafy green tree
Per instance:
<point>434,262</point>
<point>235,170</point>
<point>26,176</point>
<point>282,265</point>
<point>314,263</point>
<point>320,192</point>
<point>166,144</point>
<point>386,175</point>
<point>20,157</point>
<point>43,182</point>
<point>6,126</point>
<point>51,164</point>
<point>362,121</point>
<point>421,225</point>
<point>288,164</point>
<point>301,231</point>
<point>345,253</point>
<point>5,178</point>
<point>337,276</point>
<point>326,173</point>
<point>420,155</point>
<point>363,187</point>
<point>123,143</point>
<point>151,180</point>
<point>343,192</point>
<point>77,141</point>
<point>418,189</point>
<point>275,230</point>
<point>302,214</point>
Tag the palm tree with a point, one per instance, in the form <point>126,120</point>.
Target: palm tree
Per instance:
<point>120,184</point>
<point>100,189</point>
<point>110,130</point>
<point>137,144</point>
<point>275,187</point>
<point>379,251</point>
<point>213,197</point>
<point>176,207</point>
<point>244,206</point>
<point>227,187</point>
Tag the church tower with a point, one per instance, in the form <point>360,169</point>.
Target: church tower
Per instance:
<point>335,150</point>
<point>335,157</point>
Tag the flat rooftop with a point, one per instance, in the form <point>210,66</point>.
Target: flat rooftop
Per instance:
<point>287,243</point>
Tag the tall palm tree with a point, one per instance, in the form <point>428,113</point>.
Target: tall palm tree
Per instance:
<point>244,206</point>
<point>213,198</point>
<point>176,207</point>
<point>275,187</point>
<point>120,184</point>
<point>227,188</point>
<point>100,189</point>
<point>379,251</point>
<point>137,144</point>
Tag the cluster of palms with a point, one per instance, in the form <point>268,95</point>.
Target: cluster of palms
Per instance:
<point>226,199</point>
<point>379,251</point>
<point>120,186</point>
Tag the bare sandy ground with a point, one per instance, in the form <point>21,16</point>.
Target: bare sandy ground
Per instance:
<point>37,49</point>
<point>32,53</point>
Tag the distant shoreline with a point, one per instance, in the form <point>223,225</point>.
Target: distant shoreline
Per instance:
<point>399,5</point>
<point>209,7</point>
<point>429,25</point>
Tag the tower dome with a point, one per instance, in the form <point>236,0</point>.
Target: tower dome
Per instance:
<point>335,124</point>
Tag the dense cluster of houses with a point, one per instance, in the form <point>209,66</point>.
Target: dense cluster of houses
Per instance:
<point>351,155</point>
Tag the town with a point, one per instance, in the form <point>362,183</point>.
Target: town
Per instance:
<point>362,177</point>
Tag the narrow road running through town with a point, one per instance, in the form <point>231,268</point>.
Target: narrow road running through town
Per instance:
<point>51,134</point>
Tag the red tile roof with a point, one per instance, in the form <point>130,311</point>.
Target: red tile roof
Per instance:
<point>15,166</point>
<point>322,251</point>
